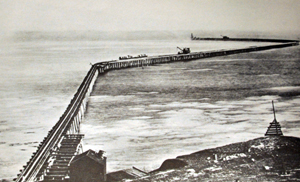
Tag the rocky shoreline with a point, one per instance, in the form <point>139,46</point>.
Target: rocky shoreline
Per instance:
<point>274,158</point>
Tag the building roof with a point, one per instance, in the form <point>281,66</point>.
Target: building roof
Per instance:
<point>90,154</point>
<point>131,173</point>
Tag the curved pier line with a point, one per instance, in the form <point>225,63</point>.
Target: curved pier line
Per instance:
<point>38,163</point>
<point>225,38</point>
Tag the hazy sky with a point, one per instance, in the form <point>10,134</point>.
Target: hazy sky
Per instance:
<point>63,15</point>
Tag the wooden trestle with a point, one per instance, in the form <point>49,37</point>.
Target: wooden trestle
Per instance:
<point>147,61</point>
<point>63,140</point>
<point>58,169</point>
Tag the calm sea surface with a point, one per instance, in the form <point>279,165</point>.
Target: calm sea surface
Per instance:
<point>141,117</point>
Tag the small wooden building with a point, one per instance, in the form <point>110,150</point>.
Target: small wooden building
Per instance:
<point>89,166</point>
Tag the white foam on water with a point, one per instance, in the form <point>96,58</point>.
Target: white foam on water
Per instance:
<point>287,88</point>
<point>202,70</point>
<point>183,128</point>
<point>264,75</point>
<point>109,98</point>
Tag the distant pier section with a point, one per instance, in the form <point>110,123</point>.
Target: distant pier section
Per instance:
<point>182,56</point>
<point>54,154</point>
<point>226,38</point>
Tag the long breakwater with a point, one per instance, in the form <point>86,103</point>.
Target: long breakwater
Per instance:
<point>69,122</point>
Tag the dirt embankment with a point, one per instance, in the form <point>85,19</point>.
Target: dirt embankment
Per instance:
<point>260,159</point>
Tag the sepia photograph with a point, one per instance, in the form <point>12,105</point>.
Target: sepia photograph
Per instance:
<point>149,90</point>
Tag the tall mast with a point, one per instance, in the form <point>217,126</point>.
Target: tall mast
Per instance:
<point>273,110</point>
<point>274,129</point>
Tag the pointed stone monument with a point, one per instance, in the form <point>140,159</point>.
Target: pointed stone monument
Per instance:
<point>274,129</point>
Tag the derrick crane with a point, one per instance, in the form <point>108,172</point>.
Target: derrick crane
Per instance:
<point>225,37</point>
<point>185,50</point>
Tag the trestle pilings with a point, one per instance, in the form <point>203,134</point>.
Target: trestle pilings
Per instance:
<point>147,61</point>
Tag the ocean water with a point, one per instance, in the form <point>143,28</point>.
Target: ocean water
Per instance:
<point>141,117</point>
